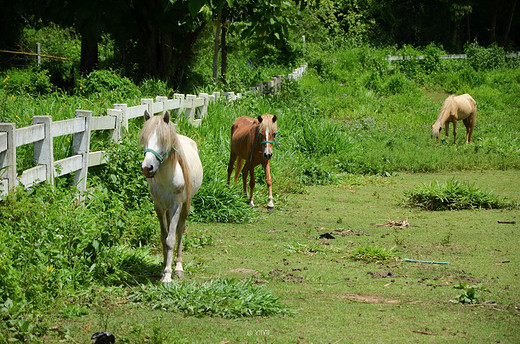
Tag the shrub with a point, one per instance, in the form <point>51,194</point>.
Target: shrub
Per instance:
<point>29,81</point>
<point>481,58</point>
<point>102,82</point>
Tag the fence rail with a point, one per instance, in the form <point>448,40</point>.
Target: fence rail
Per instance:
<point>43,130</point>
<point>391,58</point>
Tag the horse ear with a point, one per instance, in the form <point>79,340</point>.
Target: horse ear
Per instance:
<point>274,118</point>
<point>146,115</point>
<point>259,119</point>
<point>166,117</point>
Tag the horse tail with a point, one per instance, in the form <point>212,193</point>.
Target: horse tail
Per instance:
<point>238,168</point>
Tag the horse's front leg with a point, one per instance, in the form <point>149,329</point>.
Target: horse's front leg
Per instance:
<point>251,186</point>
<point>455,132</point>
<point>179,233</point>
<point>168,235</point>
<point>269,182</point>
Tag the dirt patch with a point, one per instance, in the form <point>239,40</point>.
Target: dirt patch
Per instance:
<point>369,299</point>
<point>398,224</point>
<point>383,274</point>
<point>285,276</point>
<point>244,271</point>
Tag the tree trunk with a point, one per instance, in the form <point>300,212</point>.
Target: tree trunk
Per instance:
<point>493,27</point>
<point>89,53</point>
<point>185,54</point>
<point>508,27</point>
<point>223,54</point>
<point>215,52</point>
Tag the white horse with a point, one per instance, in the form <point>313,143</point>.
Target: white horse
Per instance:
<point>456,108</point>
<point>173,170</point>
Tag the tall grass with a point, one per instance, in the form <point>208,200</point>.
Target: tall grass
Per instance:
<point>453,195</point>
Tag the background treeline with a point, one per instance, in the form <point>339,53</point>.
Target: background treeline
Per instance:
<point>159,38</point>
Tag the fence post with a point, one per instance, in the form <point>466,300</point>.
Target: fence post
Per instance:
<point>44,149</point>
<point>149,103</point>
<point>182,103</point>
<point>124,118</point>
<point>117,133</point>
<point>189,109</point>
<point>204,110</point>
<point>8,157</point>
<point>81,146</point>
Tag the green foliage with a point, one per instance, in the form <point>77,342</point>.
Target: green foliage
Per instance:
<point>217,298</point>
<point>453,195</point>
<point>370,253</point>
<point>481,58</point>
<point>32,82</point>
<point>99,83</point>
<point>470,294</point>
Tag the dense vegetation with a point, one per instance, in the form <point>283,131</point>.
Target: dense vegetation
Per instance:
<point>353,113</point>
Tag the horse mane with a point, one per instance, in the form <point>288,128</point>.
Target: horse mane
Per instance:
<point>167,137</point>
<point>268,124</point>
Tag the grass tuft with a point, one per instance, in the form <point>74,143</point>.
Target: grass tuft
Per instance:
<point>453,195</point>
<point>370,253</point>
<point>226,298</point>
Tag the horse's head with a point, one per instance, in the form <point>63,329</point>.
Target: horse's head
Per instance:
<point>267,132</point>
<point>436,131</point>
<point>158,138</point>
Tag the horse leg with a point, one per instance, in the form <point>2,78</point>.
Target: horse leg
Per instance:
<point>251,186</point>
<point>232,158</point>
<point>168,240</point>
<point>179,232</point>
<point>244,178</point>
<point>163,222</point>
<point>446,127</point>
<point>455,132</point>
<point>269,182</point>
<point>470,124</point>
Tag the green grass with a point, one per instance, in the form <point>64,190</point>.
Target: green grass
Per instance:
<point>369,253</point>
<point>223,298</point>
<point>453,195</point>
<point>333,296</point>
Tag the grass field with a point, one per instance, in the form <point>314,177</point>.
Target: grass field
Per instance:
<point>355,137</point>
<point>335,298</point>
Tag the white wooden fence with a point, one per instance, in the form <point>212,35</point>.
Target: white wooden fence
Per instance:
<point>44,130</point>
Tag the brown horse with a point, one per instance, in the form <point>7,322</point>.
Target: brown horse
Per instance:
<point>252,141</point>
<point>456,108</point>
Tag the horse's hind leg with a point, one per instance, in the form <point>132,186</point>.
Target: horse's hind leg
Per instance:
<point>232,158</point>
<point>470,124</point>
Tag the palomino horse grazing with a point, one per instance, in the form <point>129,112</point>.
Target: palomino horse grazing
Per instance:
<point>456,108</point>
<point>252,140</point>
<point>173,170</point>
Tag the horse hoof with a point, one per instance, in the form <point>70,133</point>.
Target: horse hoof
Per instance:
<point>271,209</point>
<point>167,278</point>
<point>179,273</point>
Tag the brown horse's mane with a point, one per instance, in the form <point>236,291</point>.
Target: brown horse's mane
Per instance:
<point>167,137</point>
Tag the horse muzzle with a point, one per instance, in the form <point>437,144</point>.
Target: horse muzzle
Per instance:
<point>268,155</point>
<point>148,171</point>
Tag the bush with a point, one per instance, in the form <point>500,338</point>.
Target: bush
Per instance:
<point>29,81</point>
<point>481,58</point>
<point>99,83</point>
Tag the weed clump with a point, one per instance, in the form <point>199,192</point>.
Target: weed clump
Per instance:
<point>370,253</point>
<point>224,298</point>
<point>453,195</point>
